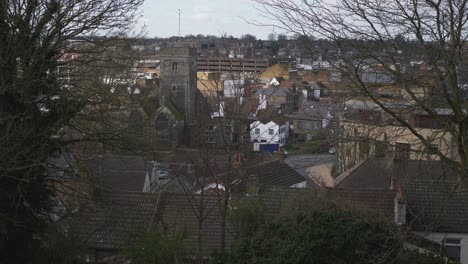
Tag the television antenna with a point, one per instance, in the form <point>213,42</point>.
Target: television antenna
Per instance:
<point>179,12</point>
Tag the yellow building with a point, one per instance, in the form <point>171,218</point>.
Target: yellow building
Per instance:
<point>360,140</point>
<point>209,83</point>
<point>277,70</point>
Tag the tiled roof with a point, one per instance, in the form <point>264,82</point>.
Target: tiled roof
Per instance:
<point>118,173</point>
<point>274,173</point>
<point>274,91</point>
<point>377,173</point>
<point>378,201</point>
<point>434,199</point>
<point>275,197</point>
<point>116,219</point>
<point>177,114</point>
<point>183,212</point>
<point>437,206</point>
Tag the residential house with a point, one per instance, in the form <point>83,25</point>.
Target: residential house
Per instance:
<point>274,71</point>
<point>316,91</point>
<point>270,132</point>
<point>124,173</point>
<point>113,221</point>
<point>251,179</point>
<point>423,195</point>
<point>210,84</point>
<point>368,133</point>
<point>147,72</point>
<point>313,117</point>
<point>282,98</point>
<point>314,76</point>
<point>437,209</point>
<point>276,81</point>
<point>308,125</point>
<point>273,173</point>
<point>234,88</point>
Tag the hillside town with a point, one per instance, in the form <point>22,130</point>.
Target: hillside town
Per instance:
<point>218,149</point>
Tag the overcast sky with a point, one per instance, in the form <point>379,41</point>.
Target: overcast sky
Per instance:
<point>213,17</point>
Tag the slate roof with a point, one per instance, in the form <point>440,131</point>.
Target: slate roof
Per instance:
<point>275,197</point>
<point>377,173</point>
<point>436,206</point>
<point>115,220</point>
<point>434,198</point>
<point>177,114</point>
<point>378,201</point>
<point>119,173</point>
<point>273,91</point>
<point>274,173</point>
<point>181,211</point>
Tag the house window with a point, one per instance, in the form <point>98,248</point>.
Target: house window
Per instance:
<point>316,124</point>
<point>402,151</point>
<point>271,131</point>
<point>299,125</point>
<point>210,134</point>
<point>174,66</point>
<point>174,88</point>
<point>228,130</point>
<point>190,168</point>
<point>211,137</point>
<point>432,149</point>
<point>452,248</point>
<point>257,131</point>
<point>308,125</point>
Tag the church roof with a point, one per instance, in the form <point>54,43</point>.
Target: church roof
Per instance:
<point>171,109</point>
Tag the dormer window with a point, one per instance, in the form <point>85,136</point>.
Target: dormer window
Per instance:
<point>174,66</point>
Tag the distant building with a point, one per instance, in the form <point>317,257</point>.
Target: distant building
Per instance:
<point>270,132</point>
<point>210,84</point>
<point>234,88</point>
<point>282,98</point>
<point>275,71</point>
<point>223,64</point>
<point>178,96</point>
<point>370,133</point>
<point>179,79</point>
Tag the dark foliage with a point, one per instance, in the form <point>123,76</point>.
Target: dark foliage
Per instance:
<point>34,106</point>
<point>315,231</point>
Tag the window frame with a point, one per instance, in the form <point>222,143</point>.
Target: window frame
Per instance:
<point>174,66</point>
<point>452,243</point>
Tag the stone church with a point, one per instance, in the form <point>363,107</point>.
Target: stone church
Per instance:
<point>179,98</point>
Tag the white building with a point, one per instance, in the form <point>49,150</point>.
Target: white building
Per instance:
<point>234,88</point>
<point>269,133</point>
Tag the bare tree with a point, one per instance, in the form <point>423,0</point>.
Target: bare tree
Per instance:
<point>35,104</point>
<point>419,46</point>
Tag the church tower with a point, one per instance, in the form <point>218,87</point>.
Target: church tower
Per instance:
<point>178,80</point>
